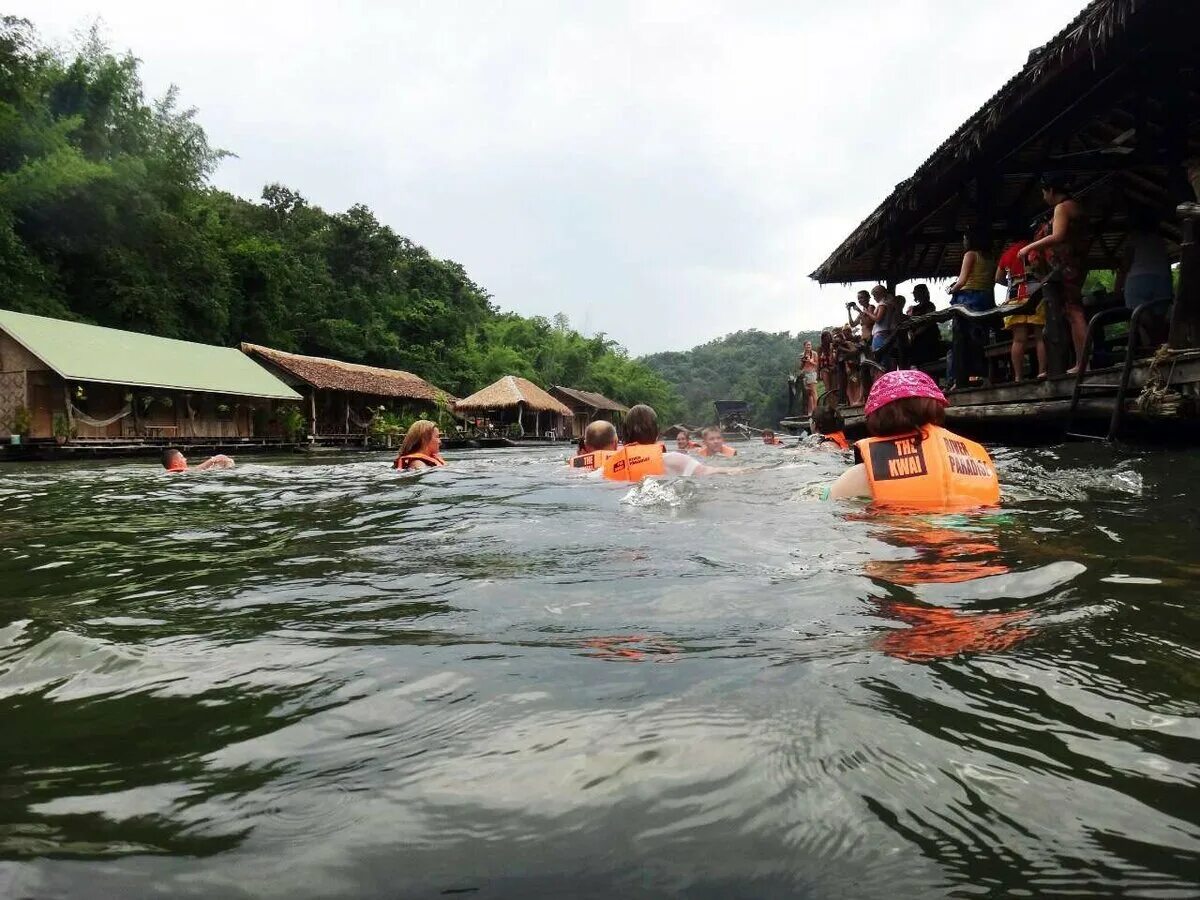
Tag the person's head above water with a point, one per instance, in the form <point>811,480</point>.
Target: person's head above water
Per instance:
<point>903,401</point>
<point>173,460</point>
<point>600,435</point>
<point>712,438</point>
<point>768,436</point>
<point>641,425</point>
<point>828,420</point>
<point>422,437</point>
<point>683,440</point>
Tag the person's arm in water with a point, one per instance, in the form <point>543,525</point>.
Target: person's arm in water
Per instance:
<point>851,484</point>
<point>687,466</point>
<point>220,461</point>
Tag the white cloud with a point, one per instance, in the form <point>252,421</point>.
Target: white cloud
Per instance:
<point>661,171</point>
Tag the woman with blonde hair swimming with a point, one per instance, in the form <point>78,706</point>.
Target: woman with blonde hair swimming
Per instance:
<point>420,447</point>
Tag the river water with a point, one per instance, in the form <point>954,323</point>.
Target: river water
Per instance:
<point>320,678</point>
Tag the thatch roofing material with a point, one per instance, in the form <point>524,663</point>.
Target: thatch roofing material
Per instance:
<point>335,375</point>
<point>911,233</point>
<point>588,399</point>
<point>507,393</point>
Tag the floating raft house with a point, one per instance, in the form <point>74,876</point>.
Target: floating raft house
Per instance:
<point>1113,100</point>
<point>517,403</point>
<point>123,387</point>
<point>341,398</point>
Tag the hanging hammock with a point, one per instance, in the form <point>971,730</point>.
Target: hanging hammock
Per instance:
<point>354,420</point>
<point>100,423</point>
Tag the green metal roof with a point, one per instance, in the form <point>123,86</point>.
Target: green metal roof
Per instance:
<point>82,352</point>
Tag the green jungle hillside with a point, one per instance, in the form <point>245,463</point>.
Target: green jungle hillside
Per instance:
<point>748,365</point>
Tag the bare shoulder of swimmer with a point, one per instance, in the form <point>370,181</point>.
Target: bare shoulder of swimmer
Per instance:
<point>220,461</point>
<point>850,484</point>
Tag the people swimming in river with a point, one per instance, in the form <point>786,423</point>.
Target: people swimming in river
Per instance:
<point>912,461</point>
<point>599,442</point>
<point>830,427</point>
<point>643,456</point>
<point>420,447</point>
<point>714,443</point>
<point>768,438</point>
<point>684,442</point>
<point>175,461</point>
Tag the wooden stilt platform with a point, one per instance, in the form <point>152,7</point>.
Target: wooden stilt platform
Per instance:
<point>1045,407</point>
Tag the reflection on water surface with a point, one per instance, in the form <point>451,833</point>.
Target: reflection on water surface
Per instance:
<point>313,678</point>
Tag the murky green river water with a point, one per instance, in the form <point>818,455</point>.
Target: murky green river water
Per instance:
<point>318,678</point>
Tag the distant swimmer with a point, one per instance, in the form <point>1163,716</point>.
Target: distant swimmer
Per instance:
<point>599,442</point>
<point>643,456</point>
<point>714,443</point>
<point>684,442</point>
<point>831,427</point>
<point>770,440</point>
<point>419,449</point>
<point>912,461</point>
<point>174,461</point>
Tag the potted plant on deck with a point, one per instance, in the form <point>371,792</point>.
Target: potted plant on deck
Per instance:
<point>61,429</point>
<point>20,424</point>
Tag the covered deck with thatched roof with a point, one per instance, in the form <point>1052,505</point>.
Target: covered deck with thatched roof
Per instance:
<point>1113,103</point>
<point>342,398</point>
<point>1112,100</point>
<point>516,405</point>
<point>586,407</point>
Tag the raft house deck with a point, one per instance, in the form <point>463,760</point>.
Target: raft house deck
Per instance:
<point>1113,101</point>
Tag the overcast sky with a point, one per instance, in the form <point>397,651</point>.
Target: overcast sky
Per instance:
<point>662,171</point>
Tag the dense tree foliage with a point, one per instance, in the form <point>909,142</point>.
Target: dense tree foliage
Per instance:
<point>107,215</point>
<point>749,365</point>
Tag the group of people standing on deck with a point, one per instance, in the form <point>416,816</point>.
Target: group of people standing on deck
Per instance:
<point>1058,243</point>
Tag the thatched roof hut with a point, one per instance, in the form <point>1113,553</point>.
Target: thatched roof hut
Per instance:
<point>587,406</point>
<point>508,400</point>
<point>341,397</point>
<point>1107,101</point>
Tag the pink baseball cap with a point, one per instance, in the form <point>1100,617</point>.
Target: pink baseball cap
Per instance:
<point>900,384</point>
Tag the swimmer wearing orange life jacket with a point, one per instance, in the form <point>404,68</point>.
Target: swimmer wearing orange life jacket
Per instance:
<point>642,456</point>
<point>714,443</point>
<point>912,462</point>
<point>174,461</point>
<point>684,442</point>
<point>419,449</point>
<point>829,424</point>
<point>770,440</point>
<point>598,444</point>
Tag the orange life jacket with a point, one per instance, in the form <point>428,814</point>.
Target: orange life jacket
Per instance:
<point>406,461</point>
<point>930,469</point>
<point>590,460</point>
<point>633,462</point>
<point>725,450</point>
<point>773,442</point>
<point>837,437</point>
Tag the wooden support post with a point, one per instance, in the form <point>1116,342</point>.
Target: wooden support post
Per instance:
<point>1055,329</point>
<point>1185,315</point>
<point>70,409</point>
<point>537,423</point>
<point>347,431</point>
<point>312,405</point>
